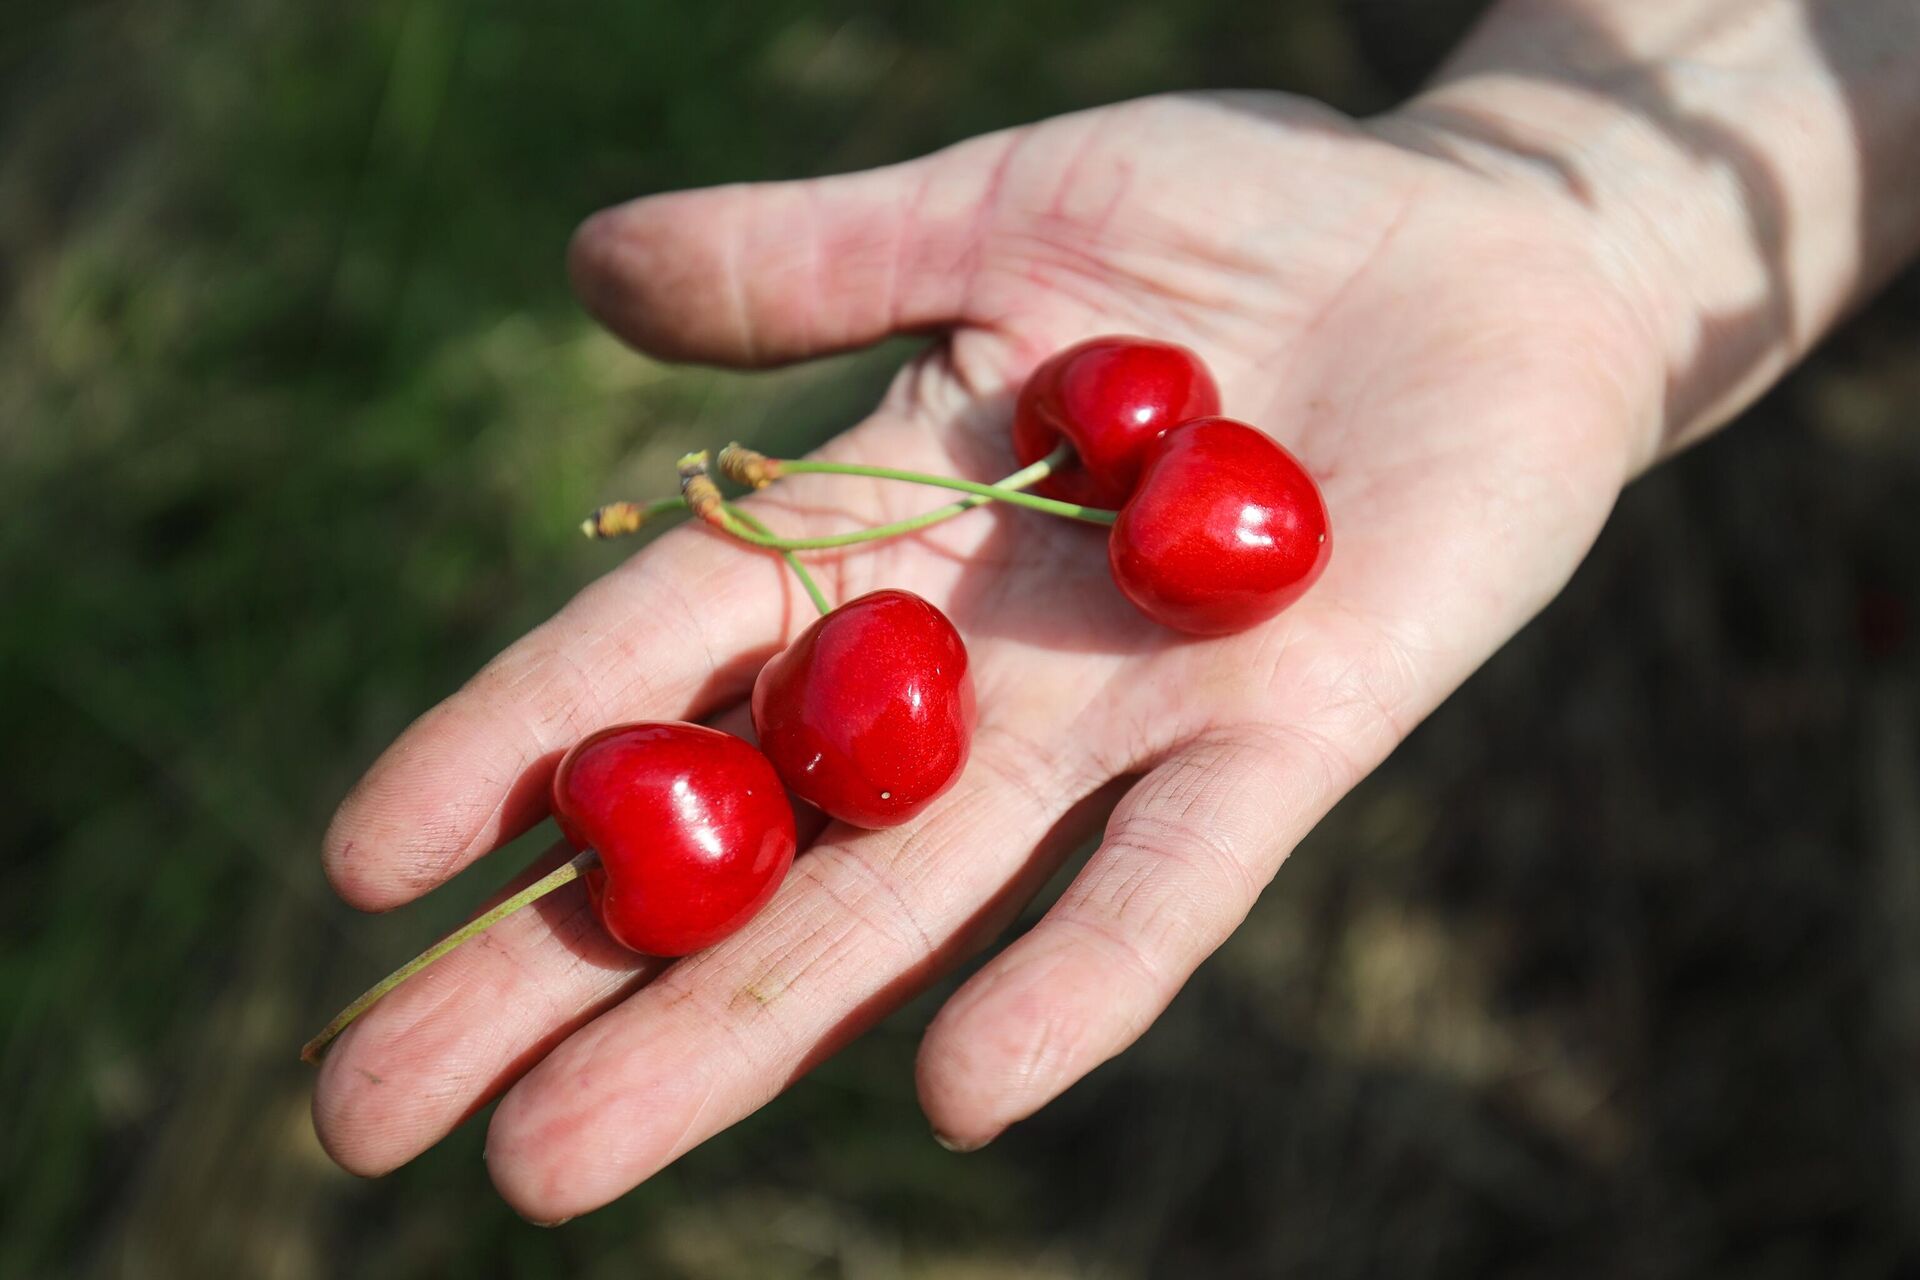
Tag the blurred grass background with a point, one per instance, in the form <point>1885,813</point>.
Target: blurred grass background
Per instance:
<point>1614,970</point>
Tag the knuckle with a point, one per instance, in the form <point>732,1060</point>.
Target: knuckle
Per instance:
<point>868,897</point>
<point>1124,958</point>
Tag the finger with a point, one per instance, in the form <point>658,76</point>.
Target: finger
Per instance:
<point>762,273</point>
<point>446,1040</point>
<point>671,634</point>
<point>1184,856</point>
<point>865,919</point>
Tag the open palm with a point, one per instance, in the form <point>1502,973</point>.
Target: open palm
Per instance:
<point>1446,350</point>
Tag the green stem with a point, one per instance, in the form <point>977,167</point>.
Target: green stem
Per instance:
<point>1007,490</point>
<point>988,492</point>
<point>818,596</point>
<point>662,506</point>
<point>620,518</point>
<point>564,873</point>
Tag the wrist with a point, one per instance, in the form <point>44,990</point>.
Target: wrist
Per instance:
<point>1744,181</point>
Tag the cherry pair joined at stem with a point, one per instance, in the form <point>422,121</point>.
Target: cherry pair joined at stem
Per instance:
<point>693,826</point>
<point>1223,529</point>
<point>1219,528</point>
<point>685,832</point>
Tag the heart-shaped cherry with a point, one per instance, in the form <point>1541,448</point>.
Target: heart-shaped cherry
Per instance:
<point>869,714</point>
<point>692,826</point>
<point>1110,397</point>
<point>1225,530</point>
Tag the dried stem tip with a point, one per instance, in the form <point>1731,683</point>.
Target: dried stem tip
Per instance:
<point>747,466</point>
<point>697,487</point>
<point>614,520</point>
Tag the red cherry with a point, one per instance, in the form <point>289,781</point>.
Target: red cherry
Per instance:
<point>1225,530</point>
<point>1111,397</point>
<point>869,714</point>
<point>692,826</point>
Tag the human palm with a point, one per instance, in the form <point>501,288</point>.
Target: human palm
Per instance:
<point>1447,352</point>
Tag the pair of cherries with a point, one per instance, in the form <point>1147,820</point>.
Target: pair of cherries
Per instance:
<point>1219,527</point>
<point>685,832</point>
<point>869,714</point>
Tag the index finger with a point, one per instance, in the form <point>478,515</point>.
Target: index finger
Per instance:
<point>674,633</point>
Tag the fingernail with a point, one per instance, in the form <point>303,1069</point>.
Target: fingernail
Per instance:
<point>557,1222</point>
<point>956,1145</point>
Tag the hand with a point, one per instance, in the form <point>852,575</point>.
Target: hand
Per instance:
<point>1447,351</point>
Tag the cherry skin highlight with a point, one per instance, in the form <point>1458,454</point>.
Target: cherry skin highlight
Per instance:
<point>1225,530</point>
<point>1111,397</point>
<point>693,829</point>
<point>869,714</point>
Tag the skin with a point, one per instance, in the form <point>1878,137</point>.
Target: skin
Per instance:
<point>1604,230</point>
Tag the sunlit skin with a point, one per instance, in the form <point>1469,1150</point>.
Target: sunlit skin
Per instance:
<point>1471,354</point>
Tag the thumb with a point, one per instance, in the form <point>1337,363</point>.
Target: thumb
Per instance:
<point>755,274</point>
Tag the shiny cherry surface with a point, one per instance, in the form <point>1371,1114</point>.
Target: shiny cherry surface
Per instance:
<point>869,714</point>
<point>1111,397</point>
<point>1225,530</point>
<point>693,829</point>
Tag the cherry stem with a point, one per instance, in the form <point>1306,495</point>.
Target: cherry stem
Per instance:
<point>618,519</point>
<point>565,873</point>
<point>814,592</point>
<point>765,470</point>
<point>749,467</point>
